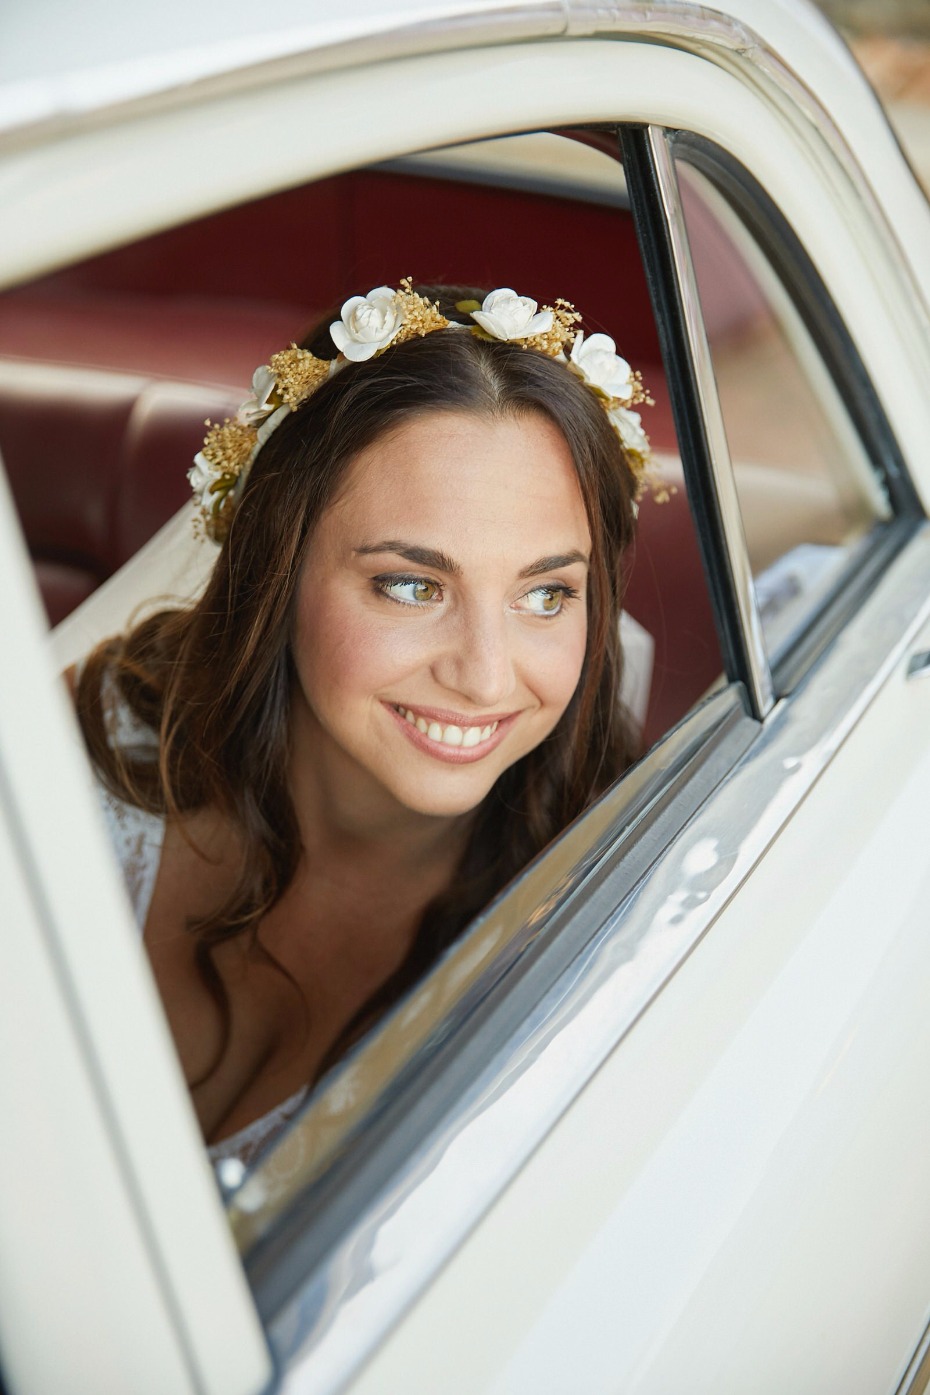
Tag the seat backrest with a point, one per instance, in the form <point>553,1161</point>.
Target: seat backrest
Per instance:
<point>97,462</point>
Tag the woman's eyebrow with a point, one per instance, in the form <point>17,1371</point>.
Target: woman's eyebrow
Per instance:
<point>422,556</point>
<point>441,562</point>
<point>552,564</point>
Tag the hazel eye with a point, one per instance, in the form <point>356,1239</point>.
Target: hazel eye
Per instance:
<point>547,600</point>
<point>408,590</point>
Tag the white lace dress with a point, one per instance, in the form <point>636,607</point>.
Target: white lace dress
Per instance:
<point>137,840</point>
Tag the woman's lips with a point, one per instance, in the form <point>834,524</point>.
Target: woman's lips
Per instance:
<point>440,736</point>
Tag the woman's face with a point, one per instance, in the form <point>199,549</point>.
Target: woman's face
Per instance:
<point>440,624</point>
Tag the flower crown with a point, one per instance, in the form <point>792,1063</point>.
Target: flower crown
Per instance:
<point>372,323</point>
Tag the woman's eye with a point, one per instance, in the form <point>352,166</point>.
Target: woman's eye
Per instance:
<point>547,600</point>
<point>408,590</point>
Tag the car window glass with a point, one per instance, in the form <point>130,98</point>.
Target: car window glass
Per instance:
<point>808,493</point>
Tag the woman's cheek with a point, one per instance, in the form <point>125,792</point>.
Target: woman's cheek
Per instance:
<point>564,672</point>
<point>369,653</point>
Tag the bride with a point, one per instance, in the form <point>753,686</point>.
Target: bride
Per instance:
<point>400,683</point>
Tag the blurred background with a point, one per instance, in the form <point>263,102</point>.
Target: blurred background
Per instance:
<point>891,40</point>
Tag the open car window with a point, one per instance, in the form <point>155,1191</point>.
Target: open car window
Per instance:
<point>126,354</point>
<point>495,996</point>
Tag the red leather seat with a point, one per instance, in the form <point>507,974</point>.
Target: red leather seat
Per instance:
<point>97,463</point>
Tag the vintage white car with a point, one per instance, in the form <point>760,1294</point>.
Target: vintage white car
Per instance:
<point>656,1123</point>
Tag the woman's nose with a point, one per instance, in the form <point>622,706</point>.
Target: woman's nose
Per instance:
<point>476,661</point>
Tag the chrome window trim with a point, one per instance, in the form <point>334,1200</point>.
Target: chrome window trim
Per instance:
<point>394,1245</point>
<point>916,1379</point>
<point>757,676</point>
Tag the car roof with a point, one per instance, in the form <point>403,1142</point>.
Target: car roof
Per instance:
<point>55,55</point>
<point>59,60</point>
<point>66,67</point>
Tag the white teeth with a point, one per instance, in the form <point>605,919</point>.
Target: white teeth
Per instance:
<point>451,735</point>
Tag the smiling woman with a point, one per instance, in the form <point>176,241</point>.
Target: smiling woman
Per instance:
<point>401,682</point>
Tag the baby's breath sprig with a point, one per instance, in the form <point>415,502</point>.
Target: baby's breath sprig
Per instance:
<point>298,374</point>
<point>420,315</point>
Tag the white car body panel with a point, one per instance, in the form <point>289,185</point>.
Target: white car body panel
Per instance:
<point>114,1172</point>
<point>50,1216</point>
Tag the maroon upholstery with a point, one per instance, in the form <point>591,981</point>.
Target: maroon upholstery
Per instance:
<point>97,463</point>
<point>184,339</point>
<point>362,229</point>
<point>667,594</point>
<point>60,435</point>
<point>163,433</point>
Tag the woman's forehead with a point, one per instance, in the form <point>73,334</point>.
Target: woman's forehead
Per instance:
<point>458,472</point>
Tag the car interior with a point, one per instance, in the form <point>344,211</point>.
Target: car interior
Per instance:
<point>108,368</point>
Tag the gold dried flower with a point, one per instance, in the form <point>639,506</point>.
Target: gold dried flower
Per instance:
<point>298,373</point>
<point>420,316</point>
<point>555,340</point>
<point>229,446</point>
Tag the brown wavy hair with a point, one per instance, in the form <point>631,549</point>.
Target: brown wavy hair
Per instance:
<point>213,679</point>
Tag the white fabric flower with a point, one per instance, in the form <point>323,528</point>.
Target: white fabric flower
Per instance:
<point>506,315</point>
<point>257,407</point>
<point>596,360</point>
<point>369,323</point>
<point>203,474</point>
<point>629,427</point>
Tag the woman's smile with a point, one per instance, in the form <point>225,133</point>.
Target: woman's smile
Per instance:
<point>454,738</point>
<point>441,623</point>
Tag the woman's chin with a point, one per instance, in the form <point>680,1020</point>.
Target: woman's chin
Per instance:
<point>441,804</point>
